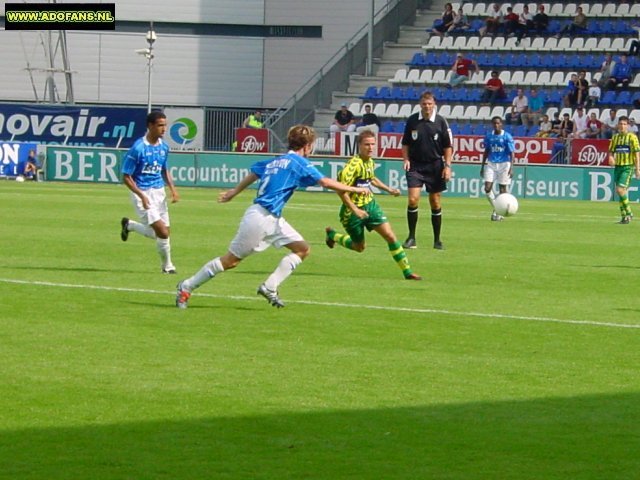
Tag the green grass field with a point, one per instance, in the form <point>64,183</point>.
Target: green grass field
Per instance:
<point>516,358</point>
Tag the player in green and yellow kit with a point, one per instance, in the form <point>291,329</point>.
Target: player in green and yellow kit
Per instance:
<point>624,155</point>
<point>360,210</point>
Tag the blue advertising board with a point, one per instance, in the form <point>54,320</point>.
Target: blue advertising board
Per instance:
<point>88,126</point>
<point>13,156</point>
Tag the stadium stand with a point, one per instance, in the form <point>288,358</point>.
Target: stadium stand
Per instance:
<point>544,62</point>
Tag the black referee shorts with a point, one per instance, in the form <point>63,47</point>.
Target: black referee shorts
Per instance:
<point>428,175</point>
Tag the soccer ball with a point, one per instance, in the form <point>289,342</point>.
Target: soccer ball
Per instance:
<point>506,205</point>
<point>19,178</point>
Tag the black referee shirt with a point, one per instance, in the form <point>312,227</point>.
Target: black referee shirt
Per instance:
<point>426,139</point>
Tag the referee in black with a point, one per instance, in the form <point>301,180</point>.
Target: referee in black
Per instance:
<point>427,150</point>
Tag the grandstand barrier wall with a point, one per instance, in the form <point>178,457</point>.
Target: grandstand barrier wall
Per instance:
<point>224,170</point>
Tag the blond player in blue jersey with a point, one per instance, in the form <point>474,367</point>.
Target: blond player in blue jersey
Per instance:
<point>360,210</point>
<point>263,224</point>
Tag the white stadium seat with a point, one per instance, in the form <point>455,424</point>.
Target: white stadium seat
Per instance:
<point>400,76</point>
<point>413,76</point>
<point>405,111</point>
<point>392,110</point>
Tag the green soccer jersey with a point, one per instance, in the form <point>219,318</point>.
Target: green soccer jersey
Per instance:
<point>623,147</point>
<point>359,173</point>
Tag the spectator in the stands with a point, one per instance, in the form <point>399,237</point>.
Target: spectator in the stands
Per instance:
<point>519,106</point>
<point>579,120</point>
<point>566,126</point>
<point>633,128</point>
<point>460,23</point>
<point>540,20</point>
<point>594,94</point>
<point>370,121</point>
<point>569,94</point>
<point>445,21</point>
<point>343,121</point>
<point>621,74</point>
<point>525,24</point>
<point>610,124</point>
<point>545,127</point>
<point>510,22</point>
<point>461,70</point>
<point>493,22</point>
<point>578,25</point>
<point>493,90</point>
<point>536,109</point>
<point>594,127</point>
<point>634,47</point>
<point>606,67</point>
<point>555,125</point>
<point>582,89</point>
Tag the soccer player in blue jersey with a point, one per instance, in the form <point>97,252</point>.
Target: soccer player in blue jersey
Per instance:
<point>145,173</point>
<point>497,162</point>
<point>262,224</point>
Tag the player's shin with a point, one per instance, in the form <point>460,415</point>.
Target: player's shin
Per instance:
<point>285,268</point>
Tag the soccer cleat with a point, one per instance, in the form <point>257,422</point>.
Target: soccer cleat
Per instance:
<point>124,230</point>
<point>170,270</point>
<point>413,276</point>
<point>271,296</point>
<point>182,296</point>
<point>496,218</point>
<point>410,243</point>
<point>327,239</point>
<point>625,220</point>
<point>438,245</point>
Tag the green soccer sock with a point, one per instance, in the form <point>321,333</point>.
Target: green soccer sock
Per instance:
<point>343,239</point>
<point>400,257</point>
<point>625,208</point>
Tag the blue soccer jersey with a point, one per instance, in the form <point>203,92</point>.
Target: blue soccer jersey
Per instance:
<point>499,147</point>
<point>280,177</point>
<point>145,163</point>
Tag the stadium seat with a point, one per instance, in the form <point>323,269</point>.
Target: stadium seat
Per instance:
<point>470,113</point>
<point>398,127</point>
<point>480,9</point>
<point>465,129</point>
<point>484,113</point>
<point>608,97</point>
<point>413,76</point>
<point>400,76</point>
<point>356,109</point>
<point>425,76</point>
<point>544,78</point>
<point>623,10</point>
<point>445,110</point>
<point>497,111</point>
<point>397,94</point>
<point>623,97</point>
<point>405,111</point>
<point>392,110</point>
<point>413,94</point>
<point>380,110</point>
<point>387,126</point>
<point>417,60</point>
<point>531,78</point>
<point>557,79</point>
<point>371,93</point>
<point>596,10</point>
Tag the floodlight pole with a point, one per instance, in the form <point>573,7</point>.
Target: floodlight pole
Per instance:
<point>151,38</point>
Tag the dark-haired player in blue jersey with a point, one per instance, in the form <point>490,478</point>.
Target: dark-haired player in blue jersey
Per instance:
<point>145,174</point>
<point>263,224</point>
<point>497,162</point>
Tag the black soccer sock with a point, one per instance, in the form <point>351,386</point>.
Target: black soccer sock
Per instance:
<point>436,223</point>
<point>412,221</point>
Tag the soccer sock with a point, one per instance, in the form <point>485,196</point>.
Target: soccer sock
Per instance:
<point>436,223</point>
<point>412,221</point>
<point>625,208</point>
<point>144,230</point>
<point>343,239</point>
<point>206,273</point>
<point>491,197</point>
<point>285,268</point>
<point>400,257</point>
<point>163,245</point>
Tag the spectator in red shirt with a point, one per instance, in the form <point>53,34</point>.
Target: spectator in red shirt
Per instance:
<point>594,127</point>
<point>493,90</point>
<point>460,71</point>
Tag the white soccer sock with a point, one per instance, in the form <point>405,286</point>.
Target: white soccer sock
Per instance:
<point>163,245</point>
<point>145,230</point>
<point>206,273</point>
<point>491,197</point>
<point>285,268</point>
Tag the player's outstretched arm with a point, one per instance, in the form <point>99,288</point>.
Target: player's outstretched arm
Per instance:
<point>331,184</point>
<point>376,182</point>
<point>244,183</point>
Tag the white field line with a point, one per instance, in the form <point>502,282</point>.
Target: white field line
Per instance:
<point>500,316</point>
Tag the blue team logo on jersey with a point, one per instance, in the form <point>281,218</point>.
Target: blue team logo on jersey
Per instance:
<point>183,131</point>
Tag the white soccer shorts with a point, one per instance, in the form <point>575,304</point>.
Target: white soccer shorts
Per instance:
<point>497,172</point>
<point>259,229</point>
<point>158,209</point>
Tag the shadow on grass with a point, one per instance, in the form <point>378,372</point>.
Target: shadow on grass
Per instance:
<point>591,437</point>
